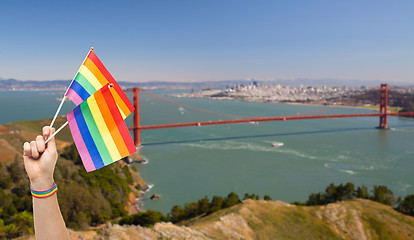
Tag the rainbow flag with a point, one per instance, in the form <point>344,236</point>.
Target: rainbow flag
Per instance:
<point>99,131</point>
<point>91,77</point>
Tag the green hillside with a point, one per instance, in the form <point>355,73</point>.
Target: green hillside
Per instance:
<point>251,219</point>
<point>258,219</point>
<point>86,199</point>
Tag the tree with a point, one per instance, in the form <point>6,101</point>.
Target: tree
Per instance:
<point>191,210</point>
<point>5,180</point>
<point>177,213</point>
<point>24,222</point>
<point>407,205</point>
<point>316,199</point>
<point>203,205</point>
<point>383,195</point>
<point>149,218</point>
<point>145,219</point>
<point>231,200</point>
<point>216,204</point>
<point>16,170</point>
<point>252,196</point>
<point>267,198</point>
<point>349,190</point>
<point>71,153</point>
<point>362,192</point>
<point>330,193</point>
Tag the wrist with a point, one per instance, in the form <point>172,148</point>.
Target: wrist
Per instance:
<point>41,184</point>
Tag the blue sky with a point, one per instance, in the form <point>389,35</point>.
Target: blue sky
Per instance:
<point>210,40</point>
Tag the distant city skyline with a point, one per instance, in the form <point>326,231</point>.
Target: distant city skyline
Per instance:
<point>190,41</point>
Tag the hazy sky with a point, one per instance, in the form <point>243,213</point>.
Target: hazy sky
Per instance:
<point>207,40</point>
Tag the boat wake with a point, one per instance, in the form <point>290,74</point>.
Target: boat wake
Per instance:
<point>340,170</point>
<point>347,171</point>
<point>233,145</point>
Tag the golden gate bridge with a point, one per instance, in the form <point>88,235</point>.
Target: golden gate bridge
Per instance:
<point>137,128</point>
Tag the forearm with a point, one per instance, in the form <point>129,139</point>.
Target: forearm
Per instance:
<point>48,220</point>
<point>39,161</point>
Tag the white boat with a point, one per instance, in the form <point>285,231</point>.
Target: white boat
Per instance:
<point>277,144</point>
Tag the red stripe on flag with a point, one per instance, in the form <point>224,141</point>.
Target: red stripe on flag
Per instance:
<point>92,56</point>
<point>119,121</point>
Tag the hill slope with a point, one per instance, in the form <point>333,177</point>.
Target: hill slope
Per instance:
<point>13,135</point>
<point>358,219</point>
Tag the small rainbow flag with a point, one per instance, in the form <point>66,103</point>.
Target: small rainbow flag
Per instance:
<point>99,131</point>
<point>91,77</point>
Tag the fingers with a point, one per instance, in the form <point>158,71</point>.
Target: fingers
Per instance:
<point>40,143</point>
<point>27,152</point>
<point>34,151</point>
<point>51,142</point>
<point>35,148</point>
<point>46,131</point>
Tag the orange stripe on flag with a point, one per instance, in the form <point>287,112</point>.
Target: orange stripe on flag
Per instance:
<point>95,71</point>
<point>110,122</point>
<point>123,129</point>
<point>123,102</point>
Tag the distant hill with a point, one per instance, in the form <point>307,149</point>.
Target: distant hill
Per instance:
<point>258,219</point>
<point>16,85</point>
<point>61,85</point>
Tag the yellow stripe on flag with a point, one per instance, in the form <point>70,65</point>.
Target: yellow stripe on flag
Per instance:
<point>91,78</point>
<point>120,103</point>
<point>103,128</point>
<point>95,71</point>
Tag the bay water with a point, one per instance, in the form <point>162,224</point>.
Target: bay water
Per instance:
<point>186,164</point>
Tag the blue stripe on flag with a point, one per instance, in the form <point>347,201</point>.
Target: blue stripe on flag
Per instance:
<point>80,90</point>
<point>87,138</point>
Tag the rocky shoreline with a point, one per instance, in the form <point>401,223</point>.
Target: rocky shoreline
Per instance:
<point>135,204</point>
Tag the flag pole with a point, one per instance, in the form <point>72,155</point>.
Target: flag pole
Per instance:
<point>61,127</point>
<point>66,123</point>
<point>67,89</point>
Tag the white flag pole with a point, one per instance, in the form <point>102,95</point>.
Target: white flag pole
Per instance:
<point>61,127</point>
<point>67,89</point>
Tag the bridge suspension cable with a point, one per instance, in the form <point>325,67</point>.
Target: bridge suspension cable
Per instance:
<point>383,113</point>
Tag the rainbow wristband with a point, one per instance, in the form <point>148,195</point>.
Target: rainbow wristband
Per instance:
<point>44,194</point>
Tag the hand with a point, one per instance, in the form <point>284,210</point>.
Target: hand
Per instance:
<point>40,160</point>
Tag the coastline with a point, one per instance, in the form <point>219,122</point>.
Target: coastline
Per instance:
<point>371,107</point>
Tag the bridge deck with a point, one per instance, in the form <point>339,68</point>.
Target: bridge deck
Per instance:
<point>263,119</point>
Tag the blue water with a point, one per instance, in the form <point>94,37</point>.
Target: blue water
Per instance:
<point>19,106</point>
<point>186,164</point>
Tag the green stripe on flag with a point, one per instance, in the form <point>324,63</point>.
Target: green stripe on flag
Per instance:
<point>96,135</point>
<point>85,83</point>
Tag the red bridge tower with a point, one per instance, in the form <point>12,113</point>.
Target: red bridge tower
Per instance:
<point>383,107</point>
<point>136,119</point>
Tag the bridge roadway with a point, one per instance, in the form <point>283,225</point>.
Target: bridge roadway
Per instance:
<point>265,119</point>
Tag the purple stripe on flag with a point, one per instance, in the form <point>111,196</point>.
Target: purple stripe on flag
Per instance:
<point>80,144</point>
<point>76,99</point>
